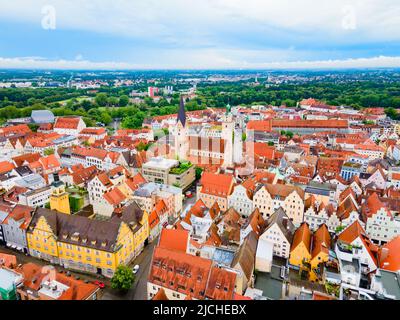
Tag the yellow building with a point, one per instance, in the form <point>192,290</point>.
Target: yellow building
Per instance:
<point>88,245</point>
<point>300,251</point>
<point>138,220</point>
<point>59,199</point>
<point>397,129</point>
<point>320,253</point>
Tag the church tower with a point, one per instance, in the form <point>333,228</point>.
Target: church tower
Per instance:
<point>59,199</point>
<point>238,146</point>
<point>180,133</point>
<point>228,126</point>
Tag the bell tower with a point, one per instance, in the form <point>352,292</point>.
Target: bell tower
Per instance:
<point>180,133</point>
<point>228,126</point>
<point>59,199</point>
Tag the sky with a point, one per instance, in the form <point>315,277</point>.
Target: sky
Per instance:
<point>199,34</point>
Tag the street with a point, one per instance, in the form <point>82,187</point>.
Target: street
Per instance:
<point>139,288</point>
<point>23,259</point>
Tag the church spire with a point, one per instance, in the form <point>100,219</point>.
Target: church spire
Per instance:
<point>182,112</point>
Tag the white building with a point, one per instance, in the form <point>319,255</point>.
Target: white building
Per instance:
<point>279,232</point>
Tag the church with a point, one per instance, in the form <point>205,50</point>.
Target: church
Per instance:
<point>207,143</point>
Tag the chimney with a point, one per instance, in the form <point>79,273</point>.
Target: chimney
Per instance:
<point>384,254</point>
<point>56,177</point>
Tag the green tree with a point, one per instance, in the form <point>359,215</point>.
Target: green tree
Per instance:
<point>289,134</point>
<point>123,278</point>
<point>89,122</point>
<point>101,100</point>
<point>105,118</point>
<point>199,172</point>
<point>49,152</point>
<point>133,122</point>
<point>392,113</point>
<point>123,101</point>
<point>113,101</point>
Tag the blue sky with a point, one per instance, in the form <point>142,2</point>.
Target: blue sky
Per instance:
<point>195,34</point>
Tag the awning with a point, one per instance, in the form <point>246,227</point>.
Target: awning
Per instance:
<point>14,246</point>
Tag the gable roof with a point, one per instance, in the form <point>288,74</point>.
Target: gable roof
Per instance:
<point>283,222</point>
<point>101,235</point>
<point>321,241</point>
<point>302,235</point>
<point>181,112</point>
<point>114,197</point>
<point>246,255</point>
<point>391,260</point>
<point>173,239</point>
<point>220,185</point>
<point>67,123</point>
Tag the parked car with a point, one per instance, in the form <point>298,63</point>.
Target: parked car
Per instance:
<point>189,194</point>
<point>136,269</point>
<point>100,284</point>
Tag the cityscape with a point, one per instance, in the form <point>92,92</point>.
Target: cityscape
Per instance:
<point>205,184</point>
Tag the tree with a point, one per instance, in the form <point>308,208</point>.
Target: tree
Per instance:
<point>123,101</point>
<point>133,122</point>
<point>113,101</point>
<point>49,152</point>
<point>123,278</point>
<point>89,122</point>
<point>199,172</point>
<point>101,100</point>
<point>105,118</point>
<point>392,113</point>
<point>289,134</point>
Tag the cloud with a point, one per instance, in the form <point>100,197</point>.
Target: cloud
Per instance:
<point>221,63</point>
<point>206,33</point>
<point>192,21</point>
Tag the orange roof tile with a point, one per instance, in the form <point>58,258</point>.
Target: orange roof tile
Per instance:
<point>391,260</point>
<point>321,241</point>
<point>220,185</point>
<point>260,125</point>
<point>302,235</point>
<point>337,124</point>
<point>6,166</point>
<point>66,123</point>
<point>174,239</point>
<point>114,197</point>
<point>8,260</point>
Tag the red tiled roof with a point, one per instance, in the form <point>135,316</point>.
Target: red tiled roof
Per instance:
<point>66,123</point>
<point>302,235</point>
<point>260,125</point>
<point>6,166</point>
<point>321,241</point>
<point>28,157</point>
<point>34,275</point>
<point>93,131</point>
<point>7,260</point>
<point>21,213</point>
<point>391,261</point>
<point>17,129</point>
<point>176,240</point>
<point>190,275</point>
<point>220,185</point>
<point>337,124</point>
<point>114,197</point>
